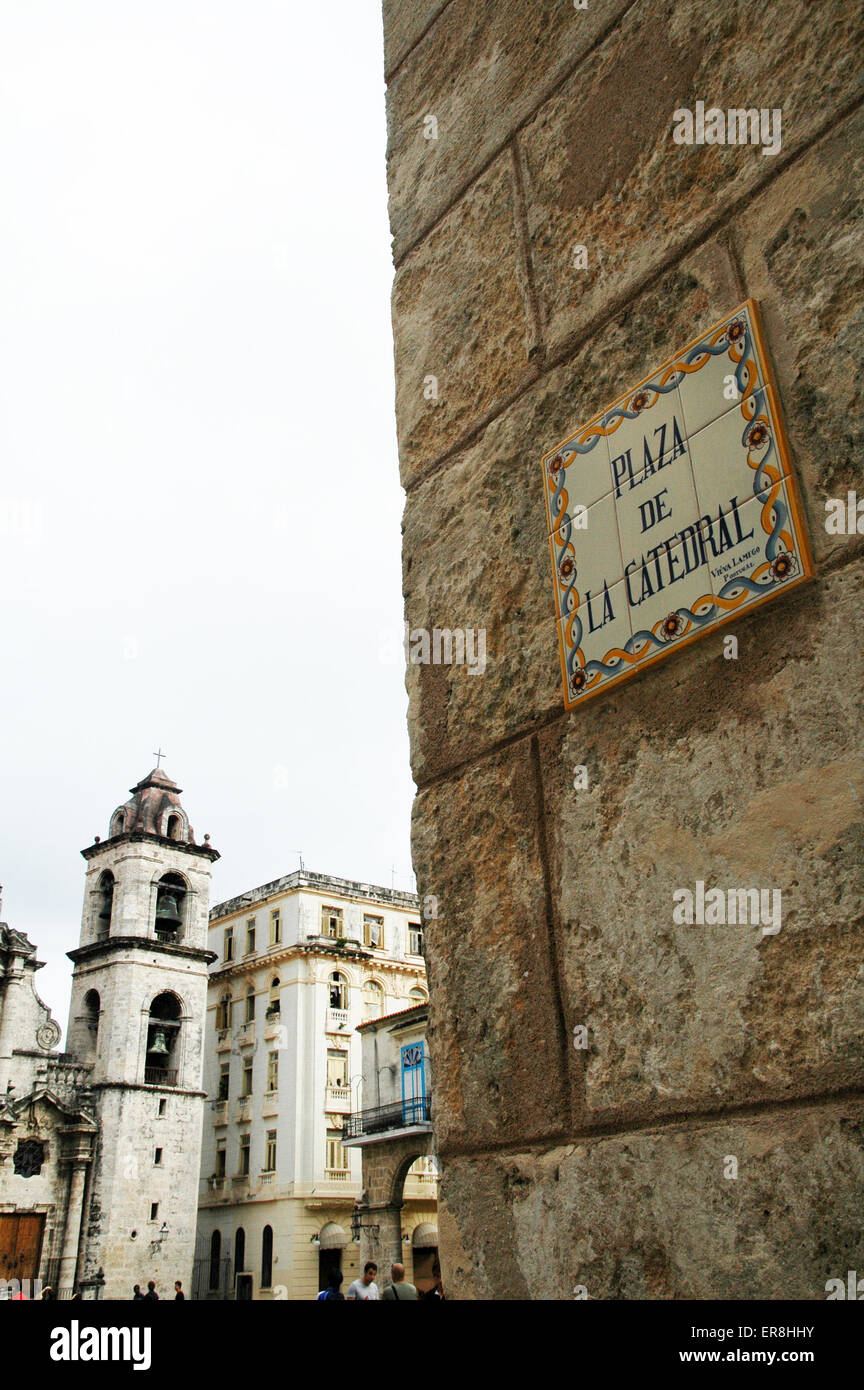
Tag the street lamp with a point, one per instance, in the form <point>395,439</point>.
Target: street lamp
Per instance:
<point>156,1244</point>
<point>357,1225</point>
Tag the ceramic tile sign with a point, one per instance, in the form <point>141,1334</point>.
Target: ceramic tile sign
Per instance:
<point>672,511</point>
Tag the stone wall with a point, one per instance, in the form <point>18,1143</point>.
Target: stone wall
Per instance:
<point>515,132</point>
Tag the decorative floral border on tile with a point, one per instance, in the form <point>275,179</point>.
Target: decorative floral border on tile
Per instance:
<point>779,557</point>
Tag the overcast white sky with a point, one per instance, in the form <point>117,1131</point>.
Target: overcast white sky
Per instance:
<point>199,506</point>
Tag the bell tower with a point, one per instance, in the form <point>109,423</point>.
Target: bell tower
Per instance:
<point>139,998</point>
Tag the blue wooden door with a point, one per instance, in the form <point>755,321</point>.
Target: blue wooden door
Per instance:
<point>413,1084</point>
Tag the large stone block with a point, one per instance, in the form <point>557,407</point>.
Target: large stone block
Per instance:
<point>480,71</point>
<point>404,23</point>
<point>726,772</point>
<point>475,537</point>
<point>499,1057</point>
<point>801,247</point>
<point>602,170</point>
<point>475,344</point>
<point>654,1216</point>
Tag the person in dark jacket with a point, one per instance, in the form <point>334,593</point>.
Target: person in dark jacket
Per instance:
<point>333,1289</point>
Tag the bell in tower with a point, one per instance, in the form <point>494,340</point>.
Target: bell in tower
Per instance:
<point>169,908</point>
<point>159,1045</point>
<point>167,911</point>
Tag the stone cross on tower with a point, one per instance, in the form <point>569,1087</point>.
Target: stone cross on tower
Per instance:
<point>159,755</point>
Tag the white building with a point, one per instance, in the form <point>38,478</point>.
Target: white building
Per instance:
<point>301,963</point>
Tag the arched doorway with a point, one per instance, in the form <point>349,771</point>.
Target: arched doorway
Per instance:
<point>424,1248</point>
<point>333,1241</point>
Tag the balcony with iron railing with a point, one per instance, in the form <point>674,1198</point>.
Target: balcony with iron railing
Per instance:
<point>381,1119</point>
<point>160,1076</point>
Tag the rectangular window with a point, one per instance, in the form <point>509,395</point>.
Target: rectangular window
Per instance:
<point>157,1158</point>
<point>245,1143</point>
<point>336,1159</point>
<point>273,1071</point>
<point>275,928</point>
<point>250,937</point>
<point>331,922</point>
<point>270,1152</point>
<point>247,1077</point>
<point>163,1106</point>
<point>224,1074</point>
<point>220,1158</point>
<point>229,944</point>
<point>223,1013</point>
<point>415,939</point>
<point>337,1067</point>
<point>373,932</point>
<point>250,1006</point>
<point>154,1211</point>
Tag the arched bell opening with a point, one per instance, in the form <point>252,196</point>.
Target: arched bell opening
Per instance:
<point>162,1062</point>
<point>171,903</point>
<point>104,902</point>
<point>84,1030</point>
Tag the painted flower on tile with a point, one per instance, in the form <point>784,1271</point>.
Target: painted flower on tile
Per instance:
<point>639,401</point>
<point>567,568</point>
<point>736,330</point>
<point>578,680</point>
<point>784,565</point>
<point>671,627</point>
<point>555,465</point>
<point>758,435</point>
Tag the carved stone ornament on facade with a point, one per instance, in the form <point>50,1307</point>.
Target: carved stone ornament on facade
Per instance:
<point>29,1157</point>
<point>48,1036</point>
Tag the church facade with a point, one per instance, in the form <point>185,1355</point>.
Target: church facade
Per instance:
<point>100,1144</point>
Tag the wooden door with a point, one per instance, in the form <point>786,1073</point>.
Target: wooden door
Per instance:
<point>20,1244</point>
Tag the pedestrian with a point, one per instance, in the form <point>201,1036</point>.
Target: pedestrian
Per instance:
<point>47,1292</point>
<point>179,1295</point>
<point>436,1292</point>
<point>333,1290</point>
<point>399,1289</point>
<point>365,1288</point>
<point>151,1293</point>
<point>137,1295</point>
